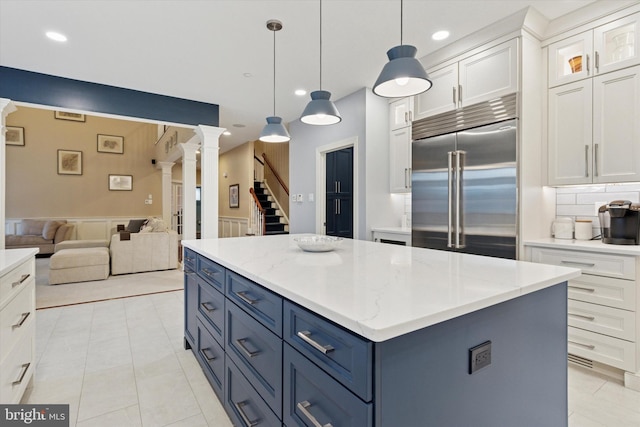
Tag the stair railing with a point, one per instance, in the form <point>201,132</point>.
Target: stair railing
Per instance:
<point>258,215</point>
<point>275,173</point>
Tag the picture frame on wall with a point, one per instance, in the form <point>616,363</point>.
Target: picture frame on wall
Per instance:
<point>234,196</point>
<point>110,144</point>
<point>65,115</point>
<point>14,135</point>
<point>120,182</point>
<point>69,162</point>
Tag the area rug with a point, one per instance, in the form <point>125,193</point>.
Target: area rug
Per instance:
<point>120,286</point>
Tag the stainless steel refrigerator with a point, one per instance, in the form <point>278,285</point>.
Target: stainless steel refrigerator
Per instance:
<point>464,191</point>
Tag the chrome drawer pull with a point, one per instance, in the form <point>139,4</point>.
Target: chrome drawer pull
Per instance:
<point>208,272</point>
<point>210,358</point>
<point>25,369</point>
<point>22,320</point>
<point>249,353</point>
<point>582,316</point>
<point>246,419</point>
<point>21,281</point>
<point>589,346</point>
<point>580,288</point>
<point>306,337</point>
<point>586,264</point>
<point>243,296</point>
<point>303,408</point>
<point>208,307</point>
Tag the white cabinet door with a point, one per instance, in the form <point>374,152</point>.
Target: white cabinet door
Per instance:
<point>571,59</point>
<point>616,126</point>
<point>400,160</point>
<point>489,74</point>
<point>570,136</point>
<point>616,44</point>
<point>400,113</point>
<point>443,95</point>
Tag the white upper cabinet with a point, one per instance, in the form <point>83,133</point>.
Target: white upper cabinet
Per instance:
<point>400,113</point>
<point>606,48</point>
<point>400,161</point>
<point>443,95</point>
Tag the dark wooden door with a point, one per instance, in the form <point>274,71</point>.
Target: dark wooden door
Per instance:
<point>339,193</point>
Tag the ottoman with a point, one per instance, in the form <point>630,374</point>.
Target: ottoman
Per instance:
<point>77,244</point>
<point>78,265</point>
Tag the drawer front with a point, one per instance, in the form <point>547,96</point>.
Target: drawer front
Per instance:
<point>616,293</point>
<point>604,320</point>
<point>313,398</point>
<point>263,305</point>
<point>601,348</point>
<point>242,402</point>
<point>618,266</point>
<point>211,309</point>
<point>343,355</point>
<point>18,368</point>
<point>211,272</point>
<point>258,354</point>
<point>189,259</point>
<point>16,317</point>
<point>16,279</point>
<point>211,357</point>
<point>190,306</point>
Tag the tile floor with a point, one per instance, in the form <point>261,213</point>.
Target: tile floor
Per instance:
<point>121,363</point>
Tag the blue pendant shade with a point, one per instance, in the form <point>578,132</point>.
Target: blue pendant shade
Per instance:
<point>274,131</point>
<point>320,110</point>
<point>403,75</point>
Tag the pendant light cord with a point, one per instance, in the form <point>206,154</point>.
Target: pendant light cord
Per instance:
<point>274,73</point>
<point>401,14</point>
<point>320,44</point>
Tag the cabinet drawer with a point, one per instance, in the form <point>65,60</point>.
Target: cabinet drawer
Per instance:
<point>604,320</point>
<point>211,357</point>
<point>263,305</point>
<point>16,318</point>
<point>618,266</point>
<point>345,356</point>
<point>258,354</point>
<point>211,272</point>
<point>601,290</point>
<point>12,282</point>
<point>242,402</point>
<point>211,309</point>
<point>601,348</point>
<point>313,398</point>
<point>190,307</point>
<point>189,259</point>
<point>18,368</point>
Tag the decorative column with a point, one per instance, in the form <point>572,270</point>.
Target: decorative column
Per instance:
<point>6,107</point>
<point>166,190</point>
<point>189,164</point>
<point>209,136</point>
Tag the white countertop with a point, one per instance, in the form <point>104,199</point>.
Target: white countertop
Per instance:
<point>11,258</point>
<point>397,230</point>
<point>380,291</point>
<point>584,245</point>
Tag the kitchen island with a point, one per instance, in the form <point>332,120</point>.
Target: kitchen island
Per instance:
<point>376,335</point>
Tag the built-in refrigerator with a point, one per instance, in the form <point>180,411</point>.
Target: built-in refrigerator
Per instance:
<point>464,191</point>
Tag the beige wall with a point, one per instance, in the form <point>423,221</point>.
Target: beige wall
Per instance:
<point>238,165</point>
<point>35,189</point>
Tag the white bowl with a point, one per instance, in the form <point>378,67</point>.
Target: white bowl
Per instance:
<point>318,243</point>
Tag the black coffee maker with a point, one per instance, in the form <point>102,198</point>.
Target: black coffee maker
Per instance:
<point>620,222</point>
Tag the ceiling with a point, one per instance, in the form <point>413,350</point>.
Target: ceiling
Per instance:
<point>220,51</point>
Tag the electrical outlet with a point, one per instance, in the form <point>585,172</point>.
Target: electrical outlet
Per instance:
<point>479,357</point>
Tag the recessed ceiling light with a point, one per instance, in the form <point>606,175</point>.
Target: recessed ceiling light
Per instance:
<point>440,35</point>
<point>56,36</point>
<point>300,92</point>
<point>247,74</point>
<point>226,133</point>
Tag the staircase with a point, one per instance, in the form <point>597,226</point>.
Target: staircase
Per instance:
<point>273,220</point>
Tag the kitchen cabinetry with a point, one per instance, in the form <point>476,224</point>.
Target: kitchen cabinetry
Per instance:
<point>400,113</point>
<point>400,117</point>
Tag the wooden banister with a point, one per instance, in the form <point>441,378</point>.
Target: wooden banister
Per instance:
<point>275,173</point>
<point>261,209</point>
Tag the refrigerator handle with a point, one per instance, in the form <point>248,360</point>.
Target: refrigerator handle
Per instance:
<point>459,222</point>
<point>450,155</point>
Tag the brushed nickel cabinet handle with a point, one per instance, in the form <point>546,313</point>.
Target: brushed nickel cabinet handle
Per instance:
<point>240,342</point>
<point>454,96</point>
<point>243,296</point>
<point>21,280</point>
<point>210,357</point>
<point>22,320</point>
<point>586,264</point>
<point>586,161</point>
<point>303,407</point>
<point>25,369</point>
<point>306,337</point>
<point>588,346</point>
<point>580,288</point>
<point>208,307</point>
<point>460,94</point>
<point>588,70</point>
<point>597,62</point>
<point>247,421</point>
<point>595,162</point>
<point>582,316</point>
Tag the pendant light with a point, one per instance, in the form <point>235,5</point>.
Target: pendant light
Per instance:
<point>320,110</point>
<point>274,131</point>
<point>403,75</point>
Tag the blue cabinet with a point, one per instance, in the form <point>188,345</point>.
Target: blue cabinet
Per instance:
<point>211,272</point>
<point>210,355</point>
<point>191,301</point>
<point>211,309</point>
<point>262,304</point>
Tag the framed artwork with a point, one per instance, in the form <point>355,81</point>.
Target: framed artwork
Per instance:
<point>69,162</point>
<point>64,115</point>
<point>234,198</point>
<point>120,182</point>
<point>14,135</point>
<point>110,144</point>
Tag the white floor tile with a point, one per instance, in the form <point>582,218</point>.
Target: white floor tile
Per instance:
<point>127,417</point>
<point>106,391</point>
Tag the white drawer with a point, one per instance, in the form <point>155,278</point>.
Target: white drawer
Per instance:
<point>13,281</point>
<point>601,290</point>
<point>17,369</point>
<point>610,265</point>
<point>601,348</point>
<point>604,320</point>
<point>16,317</point>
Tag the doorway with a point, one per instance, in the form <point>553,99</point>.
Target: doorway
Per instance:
<point>339,193</point>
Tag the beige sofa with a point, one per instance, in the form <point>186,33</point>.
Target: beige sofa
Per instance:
<point>144,251</point>
<point>39,233</point>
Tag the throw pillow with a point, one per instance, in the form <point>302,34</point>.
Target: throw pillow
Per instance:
<point>153,225</point>
<point>50,228</point>
<point>32,226</point>
<point>135,225</point>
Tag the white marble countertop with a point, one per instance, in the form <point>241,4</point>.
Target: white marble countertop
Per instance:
<point>397,230</point>
<point>380,291</point>
<point>584,245</point>
<point>11,258</point>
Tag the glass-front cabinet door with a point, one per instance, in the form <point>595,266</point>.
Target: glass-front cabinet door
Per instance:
<point>571,59</point>
<point>616,44</point>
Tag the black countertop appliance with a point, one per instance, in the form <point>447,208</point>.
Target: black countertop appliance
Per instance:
<point>620,222</point>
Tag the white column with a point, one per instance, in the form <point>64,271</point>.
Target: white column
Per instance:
<point>166,190</point>
<point>209,136</point>
<point>6,107</point>
<point>189,188</point>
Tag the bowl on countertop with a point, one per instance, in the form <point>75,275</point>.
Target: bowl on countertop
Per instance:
<point>318,243</point>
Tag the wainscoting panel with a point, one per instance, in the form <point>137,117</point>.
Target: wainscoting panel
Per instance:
<point>232,226</point>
